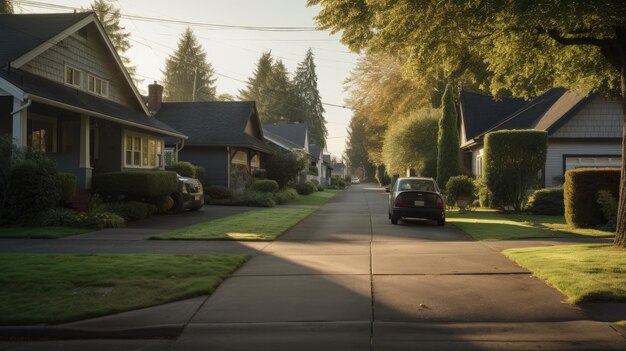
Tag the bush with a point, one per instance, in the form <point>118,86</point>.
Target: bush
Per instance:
<point>285,195</point>
<point>317,184</point>
<point>581,189</point>
<point>200,174</point>
<point>341,183</point>
<point>130,210</point>
<point>217,192</point>
<point>265,186</point>
<point>68,186</point>
<point>460,187</point>
<point>546,202</point>
<point>512,160</point>
<point>313,170</point>
<point>99,219</point>
<point>284,167</point>
<point>136,185</point>
<point>608,205</point>
<point>246,198</point>
<point>484,196</point>
<point>184,169</point>
<point>306,188</point>
<point>58,216</point>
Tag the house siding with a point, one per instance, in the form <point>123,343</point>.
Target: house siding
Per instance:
<point>556,150</point>
<point>214,160</point>
<point>601,118</point>
<point>88,55</point>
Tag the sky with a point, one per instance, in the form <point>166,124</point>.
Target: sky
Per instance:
<point>235,52</point>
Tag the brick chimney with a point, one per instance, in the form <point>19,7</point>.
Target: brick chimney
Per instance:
<point>155,97</point>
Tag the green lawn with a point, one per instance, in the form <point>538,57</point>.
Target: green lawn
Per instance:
<point>492,225</point>
<point>318,198</point>
<point>582,272</point>
<point>53,288</point>
<point>41,232</point>
<point>258,225</point>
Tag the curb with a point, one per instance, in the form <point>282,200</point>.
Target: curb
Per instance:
<point>164,331</point>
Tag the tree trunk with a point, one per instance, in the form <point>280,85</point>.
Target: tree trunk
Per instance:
<point>620,231</point>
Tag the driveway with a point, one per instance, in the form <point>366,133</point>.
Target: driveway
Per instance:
<point>346,279</point>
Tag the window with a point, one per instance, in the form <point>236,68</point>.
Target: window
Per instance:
<point>98,86</point>
<point>572,162</point>
<point>40,135</point>
<point>73,76</point>
<point>240,158</point>
<point>143,151</point>
<point>479,166</point>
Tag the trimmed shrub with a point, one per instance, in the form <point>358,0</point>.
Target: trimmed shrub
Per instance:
<point>185,169</point>
<point>201,174</point>
<point>246,198</point>
<point>448,139</point>
<point>512,160</point>
<point>306,188</point>
<point>581,189</point>
<point>341,183</point>
<point>58,216</point>
<point>130,210</point>
<point>285,195</point>
<point>608,205</point>
<point>99,219</point>
<point>484,196</point>
<point>284,167</point>
<point>546,202</point>
<point>68,186</point>
<point>217,192</point>
<point>265,186</point>
<point>136,185</point>
<point>459,187</point>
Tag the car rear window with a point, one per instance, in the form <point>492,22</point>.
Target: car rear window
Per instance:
<point>416,184</point>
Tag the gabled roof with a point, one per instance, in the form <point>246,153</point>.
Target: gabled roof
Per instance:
<point>315,151</point>
<point>328,161</point>
<point>479,112</point>
<point>280,141</point>
<point>295,133</point>
<point>214,123</point>
<point>49,92</point>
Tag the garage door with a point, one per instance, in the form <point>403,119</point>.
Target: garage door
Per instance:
<point>572,162</point>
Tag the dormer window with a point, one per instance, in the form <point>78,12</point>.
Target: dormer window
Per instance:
<point>98,86</point>
<point>73,76</point>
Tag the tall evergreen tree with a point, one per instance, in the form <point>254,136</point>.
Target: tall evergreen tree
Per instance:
<point>110,16</point>
<point>188,75</point>
<point>305,82</point>
<point>6,6</point>
<point>356,149</point>
<point>448,139</point>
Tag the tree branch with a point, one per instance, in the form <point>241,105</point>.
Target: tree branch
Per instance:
<point>556,35</point>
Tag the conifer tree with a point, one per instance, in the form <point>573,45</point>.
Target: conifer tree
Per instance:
<point>188,75</point>
<point>448,139</point>
<point>6,6</point>
<point>310,102</point>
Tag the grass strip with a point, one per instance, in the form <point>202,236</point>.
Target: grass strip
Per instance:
<point>55,288</point>
<point>41,232</point>
<point>317,198</point>
<point>582,272</point>
<point>492,225</point>
<point>258,225</point>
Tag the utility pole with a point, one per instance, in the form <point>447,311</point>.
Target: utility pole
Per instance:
<point>193,93</point>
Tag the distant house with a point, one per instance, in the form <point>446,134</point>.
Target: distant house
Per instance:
<point>294,137</point>
<point>225,137</point>
<point>583,131</point>
<point>316,160</point>
<point>327,169</point>
<point>64,91</point>
<point>339,169</point>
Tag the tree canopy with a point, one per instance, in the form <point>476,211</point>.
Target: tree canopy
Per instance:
<point>6,6</point>
<point>356,149</point>
<point>305,84</point>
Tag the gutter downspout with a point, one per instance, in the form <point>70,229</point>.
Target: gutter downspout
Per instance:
<point>23,107</point>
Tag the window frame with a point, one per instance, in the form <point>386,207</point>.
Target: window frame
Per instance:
<point>103,82</point>
<point>44,119</point>
<point>74,69</point>
<point>145,153</point>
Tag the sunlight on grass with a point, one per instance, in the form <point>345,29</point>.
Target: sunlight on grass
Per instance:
<point>315,199</point>
<point>261,225</point>
<point>582,272</point>
<point>55,288</point>
<point>41,232</point>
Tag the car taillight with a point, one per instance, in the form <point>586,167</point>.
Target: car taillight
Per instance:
<point>398,201</point>
<point>438,202</point>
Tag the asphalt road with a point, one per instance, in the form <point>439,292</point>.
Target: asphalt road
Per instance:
<point>346,279</point>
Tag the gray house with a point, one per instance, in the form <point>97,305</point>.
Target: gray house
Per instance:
<point>294,137</point>
<point>583,131</point>
<point>225,137</point>
<point>64,91</point>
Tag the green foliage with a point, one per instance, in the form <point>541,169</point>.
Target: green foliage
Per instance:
<point>460,187</point>
<point>6,6</point>
<point>68,185</point>
<point>512,160</point>
<point>284,167</point>
<point>357,149</point>
<point>187,68</point>
<point>412,143</point>
<point>283,196</point>
<point>217,192</point>
<point>245,198</point>
<point>382,177</point>
<point>608,204</point>
<point>58,217</point>
<point>448,139</point>
<point>546,202</point>
<point>130,210</point>
<point>484,196</point>
<point>99,219</point>
<point>185,169</point>
<point>581,189</point>
<point>136,184</point>
<point>265,186</point>
<point>200,174</point>
<point>313,170</point>
<point>310,107</point>
<point>306,188</point>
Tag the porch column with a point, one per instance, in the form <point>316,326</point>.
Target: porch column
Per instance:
<point>84,162</point>
<point>19,124</point>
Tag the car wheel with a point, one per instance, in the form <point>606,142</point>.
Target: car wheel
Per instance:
<point>394,219</point>
<point>195,208</point>
<point>441,222</point>
<point>178,203</point>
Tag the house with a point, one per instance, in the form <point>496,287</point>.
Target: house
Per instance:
<point>316,159</point>
<point>225,137</point>
<point>64,91</point>
<point>327,169</point>
<point>339,169</point>
<point>583,131</point>
<point>294,137</point>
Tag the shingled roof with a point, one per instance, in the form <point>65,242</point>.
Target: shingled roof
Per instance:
<point>214,123</point>
<point>22,33</point>
<point>480,112</point>
<point>294,132</point>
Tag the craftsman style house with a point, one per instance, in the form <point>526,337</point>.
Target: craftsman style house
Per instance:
<point>64,91</point>
<point>583,131</point>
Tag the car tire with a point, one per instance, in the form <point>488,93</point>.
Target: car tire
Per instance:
<point>394,219</point>
<point>441,222</point>
<point>178,203</point>
<point>196,208</point>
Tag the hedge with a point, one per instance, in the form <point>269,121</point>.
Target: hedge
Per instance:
<point>512,160</point>
<point>265,186</point>
<point>68,186</point>
<point>546,202</point>
<point>184,169</point>
<point>140,184</point>
<point>306,188</point>
<point>580,192</point>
